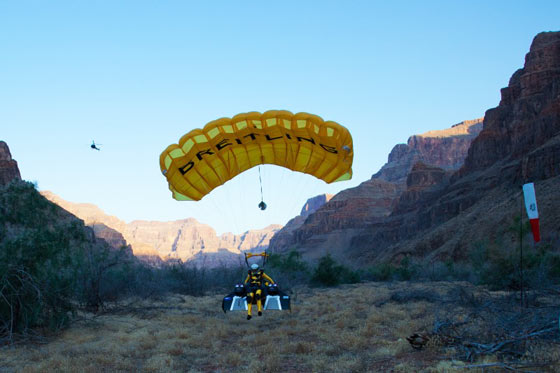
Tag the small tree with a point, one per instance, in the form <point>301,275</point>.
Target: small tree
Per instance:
<point>42,250</point>
<point>329,273</point>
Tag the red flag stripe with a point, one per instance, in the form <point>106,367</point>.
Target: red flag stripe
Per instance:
<point>535,229</point>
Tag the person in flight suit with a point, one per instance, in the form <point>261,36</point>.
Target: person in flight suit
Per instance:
<point>254,286</point>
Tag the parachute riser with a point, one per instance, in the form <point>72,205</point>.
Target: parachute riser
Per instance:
<point>264,255</point>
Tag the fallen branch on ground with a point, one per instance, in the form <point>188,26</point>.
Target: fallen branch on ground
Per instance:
<point>473,348</point>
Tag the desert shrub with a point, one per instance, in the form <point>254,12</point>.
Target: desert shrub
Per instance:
<point>50,264</point>
<point>223,278</point>
<point>381,272</point>
<point>413,269</point>
<point>143,280</point>
<point>118,281</point>
<point>288,269</point>
<point>407,270</point>
<point>329,273</point>
<point>104,275</point>
<point>497,265</point>
<point>37,279</point>
<point>290,262</point>
<point>454,271</point>
<point>437,271</point>
<point>541,267</point>
<point>500,271</point>
<point>553,265</point>
<point>182,278</point>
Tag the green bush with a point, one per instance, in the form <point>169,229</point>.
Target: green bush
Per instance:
<point>36,259</point>
<point>50,263</point>
<point>553,265</point>
<point>288,269</point>
<point>329,273</point>
<point>405,271</point>
<point>288,263</point>
<point>381,272</point>
<point>497,265</point>
<point>103,273</point>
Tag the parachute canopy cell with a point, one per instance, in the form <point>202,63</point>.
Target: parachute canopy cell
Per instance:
<point>206,158</point>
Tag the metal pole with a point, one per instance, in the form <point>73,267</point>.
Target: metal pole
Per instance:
<point>521,250</point>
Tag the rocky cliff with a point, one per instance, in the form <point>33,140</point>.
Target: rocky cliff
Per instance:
<point>313,204</point>
<point>284,237</point>
<point>440,212</point>
<point>8,167</point>
<point>350,211</point>
<point>527,116</point>
<point>187,240</point>
<point>445,148</point>
<point>519,142</point>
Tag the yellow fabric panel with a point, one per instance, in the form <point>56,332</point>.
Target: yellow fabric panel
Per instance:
<point>206,158</point>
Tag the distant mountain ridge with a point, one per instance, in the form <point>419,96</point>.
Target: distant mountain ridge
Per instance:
<point>187,239</point>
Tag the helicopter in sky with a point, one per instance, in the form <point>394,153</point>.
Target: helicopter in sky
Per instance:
<point>95,146</point>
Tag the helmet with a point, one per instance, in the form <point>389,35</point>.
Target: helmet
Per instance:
<point>254,266</point>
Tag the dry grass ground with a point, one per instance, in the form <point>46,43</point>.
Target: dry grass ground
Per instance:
<point>352,328</point>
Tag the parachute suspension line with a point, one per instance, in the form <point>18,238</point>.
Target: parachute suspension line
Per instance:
<point>260,182</point>
<point>262,205</point>
<point>224,208</point>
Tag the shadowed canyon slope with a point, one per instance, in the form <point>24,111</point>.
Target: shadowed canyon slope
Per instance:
<point>439,212</point>
<point>186,239</point>
<point>346,214</point>
<point>27,218</point>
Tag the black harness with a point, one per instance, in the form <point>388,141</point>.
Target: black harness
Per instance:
<point>256,277</point>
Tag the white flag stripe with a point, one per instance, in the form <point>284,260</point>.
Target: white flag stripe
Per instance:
<point>530,201</point>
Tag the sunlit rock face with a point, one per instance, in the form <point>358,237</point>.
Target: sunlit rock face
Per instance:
<point>8,167</point>
<point>445,149</point>
<point>313,204</point>
<point>283,237</point>
<point>186,240</point>
<point>528,115</point>
<point>439,211</point>
<point>344,215</point>
<point>519,143</point>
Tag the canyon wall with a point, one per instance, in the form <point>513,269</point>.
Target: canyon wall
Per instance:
<point>8,167</point>
<point>344,216</point>
<point>187,239</point>
<point>438,211</point>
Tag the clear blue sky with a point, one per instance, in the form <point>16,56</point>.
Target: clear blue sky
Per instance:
<point>136,75</point>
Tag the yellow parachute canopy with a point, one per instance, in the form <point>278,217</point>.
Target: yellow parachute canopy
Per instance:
<point>208,157</point>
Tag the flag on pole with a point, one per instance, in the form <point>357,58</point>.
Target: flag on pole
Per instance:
<point>532,212</point>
